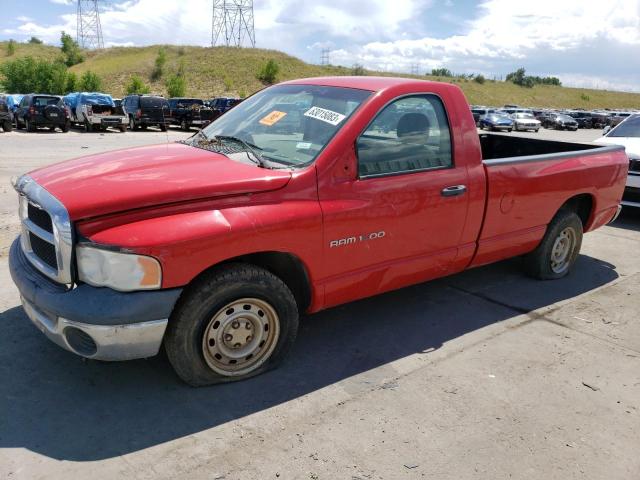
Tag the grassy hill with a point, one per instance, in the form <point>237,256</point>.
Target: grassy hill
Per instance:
<point>231,71</point>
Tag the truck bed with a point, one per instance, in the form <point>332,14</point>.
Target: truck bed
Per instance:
<point>528,180</point>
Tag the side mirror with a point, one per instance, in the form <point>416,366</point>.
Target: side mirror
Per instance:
<point>606,130</point>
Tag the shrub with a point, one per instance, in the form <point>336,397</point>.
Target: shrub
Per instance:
<point>30,75</point>
<point>269,72</point>
<point>70,50</point>
<point>72,83</point>
<point>479,79</point>
<point>90,82</point>
<point>358,70</point>
<point>584,97</point>
<point>176,86</point>
<point>35,41</point>
<point>137,86</point>
<point>228,84</point>
<point>11,47</point>
<point>161,60</point>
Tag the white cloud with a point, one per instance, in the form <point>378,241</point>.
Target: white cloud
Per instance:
<point>62,2</point>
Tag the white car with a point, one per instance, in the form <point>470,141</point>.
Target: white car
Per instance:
<point>525,121</point>
<point>627,133</point>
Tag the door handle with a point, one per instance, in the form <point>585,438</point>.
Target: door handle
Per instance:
<point>453,191</point>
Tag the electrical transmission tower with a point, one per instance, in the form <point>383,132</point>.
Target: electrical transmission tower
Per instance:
<point>89,34</point>
<point>232,23</point>
<point>324,59</point>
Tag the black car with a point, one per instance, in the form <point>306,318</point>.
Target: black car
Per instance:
<point>221,105</point>
<point>147,110</point>
<point>560,121</point>
<point>600,119</point>
<point>583,119</point>
<point>38,110</point>
<point>6,117</point>
<point>189,111</point>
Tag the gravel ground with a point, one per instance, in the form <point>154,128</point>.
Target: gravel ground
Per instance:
<point>486,374</point>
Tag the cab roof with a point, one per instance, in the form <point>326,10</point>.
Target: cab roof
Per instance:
<point>373,84</point>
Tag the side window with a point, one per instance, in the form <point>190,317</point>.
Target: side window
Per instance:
<point>24,102</point>
<point>410,134</point>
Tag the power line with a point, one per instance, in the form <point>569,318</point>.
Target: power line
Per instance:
<point>232,23</point>
<point>89,30</point>
<point>324,58</point>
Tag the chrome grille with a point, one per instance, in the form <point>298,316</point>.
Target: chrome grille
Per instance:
<point>46,239</point>
<point>634,165</point>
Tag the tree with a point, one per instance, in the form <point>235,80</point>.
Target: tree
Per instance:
<point>11,47</point>
<point>30,75</point>
<point>358,70</point>
<point>35,41</point>
<point>137,86</point>
<point>479,79</point>
<point>176,86</point>
<point>269,72</point>
<point>90,82</point>
<point>161,60</point>
<point>72,83</point>
<point>70,50</point>
<point>441,72</point>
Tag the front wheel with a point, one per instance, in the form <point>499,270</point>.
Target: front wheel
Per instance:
<point>559,248</point>
<point>7,126</point>
<point>233,324</point>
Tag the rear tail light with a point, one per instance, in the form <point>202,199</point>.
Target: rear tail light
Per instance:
<point>89,110</point>
<point>32,110</point>
<point>138,113</point>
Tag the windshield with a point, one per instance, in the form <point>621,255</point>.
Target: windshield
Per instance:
<point>564,118</point>
<point>153,102</point>
<point>525,115</point>
<point>628,128</point>
<point>288,124</point>
<point>45,101</point>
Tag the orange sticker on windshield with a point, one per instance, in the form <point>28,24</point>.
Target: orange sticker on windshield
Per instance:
<point>273,118</point>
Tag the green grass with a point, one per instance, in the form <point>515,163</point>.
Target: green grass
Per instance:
<point>219,71</point>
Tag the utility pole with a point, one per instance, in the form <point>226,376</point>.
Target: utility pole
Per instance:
<point>324,59</point>
<point>232,23</point>
<point>89,30</point>
<point>415,69</point>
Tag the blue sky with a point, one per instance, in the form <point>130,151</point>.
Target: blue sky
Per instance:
<point>584,42</point>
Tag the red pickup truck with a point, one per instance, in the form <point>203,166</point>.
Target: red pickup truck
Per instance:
<point>309,194</point>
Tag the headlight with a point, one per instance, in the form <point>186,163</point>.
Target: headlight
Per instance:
<point>121,271</point>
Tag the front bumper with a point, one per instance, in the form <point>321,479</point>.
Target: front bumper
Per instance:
<point>97,323</point>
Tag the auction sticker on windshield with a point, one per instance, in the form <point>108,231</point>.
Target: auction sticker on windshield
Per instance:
<point>324,115</point>
<point>273,118</point>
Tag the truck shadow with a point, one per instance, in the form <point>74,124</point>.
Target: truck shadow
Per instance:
<point>58,405</point>
<point>629,219</point>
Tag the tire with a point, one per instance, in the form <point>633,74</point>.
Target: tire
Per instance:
<point>163,128</point>
<point>184,126</point>
<point>132,124</point>
<point>66,127</point>
<point>29,126</point>
<point>143,127</point>
<point>559,248</point>
<point>7,126</point>
<point>206,319</point>
<point>88,128</point>
<point>122,128</point>
<point>18,124</point>
<point>536,130</point>
<point>509,130</point>
<point>52,129</point>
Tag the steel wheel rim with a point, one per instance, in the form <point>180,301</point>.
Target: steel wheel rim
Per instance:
<point>240,337</point>
<point>562,250</point>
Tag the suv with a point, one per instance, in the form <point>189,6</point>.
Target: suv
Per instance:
<point>6,117</point>
<point>36,110</point>
<point>189,111</point>
<point>145,110</point>
<point>221,105</point>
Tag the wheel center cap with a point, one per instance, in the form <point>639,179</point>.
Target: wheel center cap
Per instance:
<point>238,333</point>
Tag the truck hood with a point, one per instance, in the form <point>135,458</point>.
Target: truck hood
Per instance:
<point>154,175</point>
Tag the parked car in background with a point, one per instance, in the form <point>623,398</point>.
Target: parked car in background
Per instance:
<point>37,110</point>
<point>222,105</point>
<point>143,111</point>
<point>481,112</point>
<point>514,110</point>
<point>214,246</point>
<point>600,119</point>
<point>95,111</point>
<point>117,102</point>
<point>559,121</point>
<point>6,115</point>
<point>627,134</point>
<point>582,118</point>
<point>525,121</point>
<point>618,117</point>
<point>13,100</point>
<point>496,121</point>
<point>188,112</point>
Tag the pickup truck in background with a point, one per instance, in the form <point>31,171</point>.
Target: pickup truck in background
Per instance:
<point>188,112</point>
<point>95,111</point>
<point>215,245</point>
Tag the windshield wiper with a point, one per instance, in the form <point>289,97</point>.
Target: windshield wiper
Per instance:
<point>257,156</point>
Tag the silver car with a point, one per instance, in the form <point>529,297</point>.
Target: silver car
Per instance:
<point>525,121</point>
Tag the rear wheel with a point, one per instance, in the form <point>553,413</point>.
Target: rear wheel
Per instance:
<point>122,128</point>
<point>185,126</point>
<point>559,248</point>
<point>29,126</point>
<point>66,127</point>
<point>7,126</point>
<point>235,323</point>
